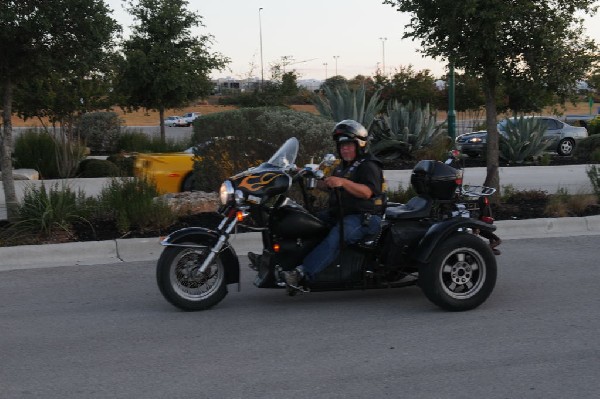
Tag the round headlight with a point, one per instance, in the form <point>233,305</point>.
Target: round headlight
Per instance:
<point>226,192</point>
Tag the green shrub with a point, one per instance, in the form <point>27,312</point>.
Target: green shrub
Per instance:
<point>593,173</point>
<point>401,195</point>
<point>46,211</point>
<point>35,149</point>
<point>131,203</point>
<point>124,163</point>
<point>593,126</point>
<point>525,140</point>
<point>99,131</point>
<point>588,149</point>
<point>98,168</point>
<point>136,141</point>
<point>232,141</point>
<point>407,129</point>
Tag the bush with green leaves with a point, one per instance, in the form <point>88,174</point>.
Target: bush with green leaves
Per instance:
<point>38,149</point>
<point>232,141</point>
<point>137,141</point>
<point>407,129</point>
<point>46,211</point>
<point>341,102</point>
<point>131,203</point>
<point>593,173</point>
<point>98,168</point>
<point>593,126</point>
<point>35,149</point>
<point>524,140</point>
<point>124,162</point>
<point>99,131</point>
<point>588,149</point>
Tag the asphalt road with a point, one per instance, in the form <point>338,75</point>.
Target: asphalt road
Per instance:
<point>106,332</point>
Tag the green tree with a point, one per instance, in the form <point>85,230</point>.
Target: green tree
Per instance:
<point>540,42</point>
<point>163,64</point>
<point>43,38</point>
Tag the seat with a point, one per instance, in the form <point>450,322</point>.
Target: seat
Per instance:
<point>416,208</point>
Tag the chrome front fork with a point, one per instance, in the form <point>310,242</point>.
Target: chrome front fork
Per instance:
<point>220,242</point>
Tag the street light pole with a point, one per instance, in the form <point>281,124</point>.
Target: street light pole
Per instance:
<point>262,71</point>
<point>325,70</point>
<point>335,57</point>
<point>383,39</point>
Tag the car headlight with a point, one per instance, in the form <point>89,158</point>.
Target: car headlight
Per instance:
<point>476,140</point>
<point>226,192</point>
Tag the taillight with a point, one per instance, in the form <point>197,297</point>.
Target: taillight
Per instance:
<point>276,247</point>
<point>487,219</point>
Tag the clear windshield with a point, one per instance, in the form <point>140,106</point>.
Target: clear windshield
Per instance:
<point>286,154</point>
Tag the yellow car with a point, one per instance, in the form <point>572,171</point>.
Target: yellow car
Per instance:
<point>171,172</point>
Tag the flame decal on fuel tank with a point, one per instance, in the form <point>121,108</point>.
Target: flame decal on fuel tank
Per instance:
<point>256,182</point>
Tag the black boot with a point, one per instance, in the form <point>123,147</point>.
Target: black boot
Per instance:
<point>254,260</point>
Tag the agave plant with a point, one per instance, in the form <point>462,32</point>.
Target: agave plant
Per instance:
<point>341,103</point>
<point>524,139</point>
<point>409,128</point>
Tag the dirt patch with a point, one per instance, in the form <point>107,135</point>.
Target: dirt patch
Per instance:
<point>150,118</point>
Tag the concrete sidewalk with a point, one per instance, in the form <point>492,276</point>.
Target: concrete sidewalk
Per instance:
<point>149,249</point>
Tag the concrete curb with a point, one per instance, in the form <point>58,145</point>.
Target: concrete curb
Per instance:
<point>149,249</point>
<point>551,227</point>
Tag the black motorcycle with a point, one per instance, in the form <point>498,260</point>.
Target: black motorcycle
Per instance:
<point>442,239</point>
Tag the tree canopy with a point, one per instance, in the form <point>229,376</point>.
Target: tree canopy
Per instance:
<point>40,40</point>
<point>538,43</point>
<point>163,65</point>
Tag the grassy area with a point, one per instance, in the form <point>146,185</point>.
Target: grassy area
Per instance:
<point>150,118</point>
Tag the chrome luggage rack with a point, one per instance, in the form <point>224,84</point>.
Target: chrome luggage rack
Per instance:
<point>476,191</point>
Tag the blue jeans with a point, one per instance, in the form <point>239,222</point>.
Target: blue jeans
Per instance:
<point>328,250</point>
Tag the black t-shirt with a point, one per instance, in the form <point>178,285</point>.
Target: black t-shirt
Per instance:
<point>367,172</point>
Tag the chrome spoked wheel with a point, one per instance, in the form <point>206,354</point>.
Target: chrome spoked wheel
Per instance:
<point>461,273</point>
<point>181,282</point>
<point>188,281</point>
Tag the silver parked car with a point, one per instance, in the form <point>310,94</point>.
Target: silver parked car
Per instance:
<point>175,121</point>
<point>562,137</point>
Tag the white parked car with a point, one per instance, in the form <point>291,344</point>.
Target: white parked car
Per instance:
<point>190,117</point>
<point>175,121</point>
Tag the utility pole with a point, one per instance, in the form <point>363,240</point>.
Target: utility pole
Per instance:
<point>451,107</point>
<point>262,71</point>
<point>325,70</point>
<point>383,39</point>
<point>335,57</point>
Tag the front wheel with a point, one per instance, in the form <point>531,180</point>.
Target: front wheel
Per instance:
<point>461,273</point>
<point>565,147</point>
<point>183,285</point>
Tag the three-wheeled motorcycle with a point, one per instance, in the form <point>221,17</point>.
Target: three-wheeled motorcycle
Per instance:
<point>442,239</point>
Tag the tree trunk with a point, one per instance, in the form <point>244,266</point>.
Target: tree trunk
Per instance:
<point>161,113</point>
<point>8,182</point>
<point>492,178</point>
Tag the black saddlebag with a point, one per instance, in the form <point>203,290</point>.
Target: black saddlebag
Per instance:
<point>400,241</point>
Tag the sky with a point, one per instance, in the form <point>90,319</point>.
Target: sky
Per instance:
<point>350,36</point>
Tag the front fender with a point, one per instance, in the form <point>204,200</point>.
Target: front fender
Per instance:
<point>440,231</point>
<point>206,237</point>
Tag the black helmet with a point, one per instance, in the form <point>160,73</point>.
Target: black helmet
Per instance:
<point>349,130</point>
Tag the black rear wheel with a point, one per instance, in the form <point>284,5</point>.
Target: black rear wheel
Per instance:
<point>461,273</point>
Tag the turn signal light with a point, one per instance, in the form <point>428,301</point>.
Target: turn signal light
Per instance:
<point>240,216</point>
<point>276,247</point>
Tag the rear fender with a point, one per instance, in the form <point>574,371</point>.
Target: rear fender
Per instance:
<point>440,231</point>
<point>206,237</point>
